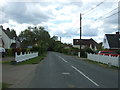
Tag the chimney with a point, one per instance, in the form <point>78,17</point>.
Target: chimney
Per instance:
<point>8,29</point>
<point>117,32</point>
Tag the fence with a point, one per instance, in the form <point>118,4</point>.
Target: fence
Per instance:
<point>104,59</point>
<point>24,57</point>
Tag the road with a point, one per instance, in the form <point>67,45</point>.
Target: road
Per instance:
<point>62,71</point>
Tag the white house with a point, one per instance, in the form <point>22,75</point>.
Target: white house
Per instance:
<point>85,43</point>
<point>111,41</point>
<point>6,38</point>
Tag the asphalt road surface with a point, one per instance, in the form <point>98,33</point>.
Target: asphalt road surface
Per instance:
<point>62,71</point>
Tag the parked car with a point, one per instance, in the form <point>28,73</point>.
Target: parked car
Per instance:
<point>2,51</point>
<point>108,53</point>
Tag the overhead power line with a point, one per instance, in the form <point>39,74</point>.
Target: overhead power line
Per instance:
<point>74,24</point>
<point>103,16</point>
<point>93,7</point>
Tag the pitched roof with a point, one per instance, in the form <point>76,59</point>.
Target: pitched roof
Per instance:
<point>9,34</point>
<point>84,42</point>
<point>113,40</point>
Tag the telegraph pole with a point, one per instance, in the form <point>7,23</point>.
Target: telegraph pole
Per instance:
<point>60,39</point>
<point>80,29</point>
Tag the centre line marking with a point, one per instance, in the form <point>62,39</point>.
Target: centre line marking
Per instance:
<point>63,59</point>
<point>85,76</point>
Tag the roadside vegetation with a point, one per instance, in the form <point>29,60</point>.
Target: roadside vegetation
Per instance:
<point>37,39</point>
<point>5,85</point>
<point>101,64</point>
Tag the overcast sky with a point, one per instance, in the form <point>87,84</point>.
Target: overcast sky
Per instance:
<point>61,17</point>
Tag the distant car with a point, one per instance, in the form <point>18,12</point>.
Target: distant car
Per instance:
<point>109,53</point>
<point>2,51</point>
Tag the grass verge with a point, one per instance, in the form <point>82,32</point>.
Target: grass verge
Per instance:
<point>35,60</point>
<point>5,85</point>
<point>101,64</point>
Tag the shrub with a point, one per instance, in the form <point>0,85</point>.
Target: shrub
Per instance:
<point>23,50</point>
<point>18,50</point>
<point>35,49</point>
<point>118,51</point>
<point>9,52</point>
<point>28,50</point>
<point>89,50</point>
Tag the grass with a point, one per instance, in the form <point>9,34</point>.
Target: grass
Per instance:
<point>5,85</point>
<point>101,64</point>
<point>35,60</point>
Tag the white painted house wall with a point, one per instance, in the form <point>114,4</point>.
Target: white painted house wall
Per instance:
<point>105,43</point>
<point>7,41</point>
<point>78,46</point>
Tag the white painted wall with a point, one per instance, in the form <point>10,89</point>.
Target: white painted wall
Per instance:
<point>78,46</point>
<point>24,57</point>
<point>105,44</point>
<point>104,59</point>
<point>7,41</point>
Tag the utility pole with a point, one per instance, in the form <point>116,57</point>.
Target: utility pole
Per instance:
<point>60,39</point>
<point>80,29</point>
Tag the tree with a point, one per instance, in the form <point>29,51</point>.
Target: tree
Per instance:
<point>38,36</point>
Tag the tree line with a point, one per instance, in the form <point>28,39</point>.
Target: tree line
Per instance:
<point>40,40</point>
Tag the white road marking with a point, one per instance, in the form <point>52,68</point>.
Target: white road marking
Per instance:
<point>80,72</point>
<point>63,59</point>
<point>66,73</point>
<point>85,76</point>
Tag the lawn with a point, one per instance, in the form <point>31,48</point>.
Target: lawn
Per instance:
<point>101,64</point>
<point>5,85</point>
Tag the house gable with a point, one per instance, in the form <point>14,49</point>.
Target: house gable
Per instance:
<point>105,43</point>
<point>7,38</point>
<point>113,40</point>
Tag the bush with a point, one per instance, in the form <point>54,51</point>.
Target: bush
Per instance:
<point>89,50</point>
<point>9,52</point>
<point>65,51</point>
<point>39,49</point>
<point>118,51</point>
<point>28,50</point>
<point>23,50</point>
<point>18,50</point>
<point>35,49</point>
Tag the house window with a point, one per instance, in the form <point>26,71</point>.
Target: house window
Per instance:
<point>104,40</point>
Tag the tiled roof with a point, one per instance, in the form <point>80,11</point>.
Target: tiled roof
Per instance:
<point>113,40</point>
<point>9,34</point>
<point>83,41</point>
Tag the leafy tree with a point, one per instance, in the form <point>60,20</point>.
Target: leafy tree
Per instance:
<point>37,36</point>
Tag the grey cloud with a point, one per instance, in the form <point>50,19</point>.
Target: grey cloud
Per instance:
<point>21,14</point>
<point>112,19</point>
<point>87,31</point>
